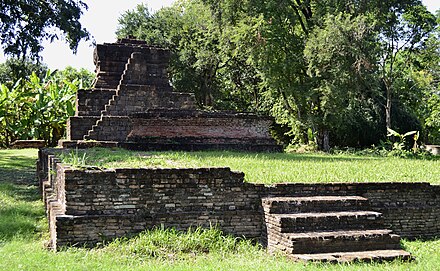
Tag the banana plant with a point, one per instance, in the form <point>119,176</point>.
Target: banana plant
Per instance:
<point>36,108</point>
<point>400,145</point>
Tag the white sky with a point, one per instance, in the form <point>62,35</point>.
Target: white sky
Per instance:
<point>101,21</point>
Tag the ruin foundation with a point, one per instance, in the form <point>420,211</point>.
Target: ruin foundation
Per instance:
<point>89,206</point>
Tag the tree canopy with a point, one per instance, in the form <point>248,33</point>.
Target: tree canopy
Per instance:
<point>24,24</point>
<point>328,71</point>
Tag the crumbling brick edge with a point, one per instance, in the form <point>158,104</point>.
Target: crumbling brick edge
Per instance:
<point>89,206</point>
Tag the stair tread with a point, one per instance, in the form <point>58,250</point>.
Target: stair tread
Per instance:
<point>372,255</point>
<point>103,89</point>
<point>316,198</point>
<point>327,214</point>
<point>336,234</point>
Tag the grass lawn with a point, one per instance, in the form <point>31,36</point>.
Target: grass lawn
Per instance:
<point>274,167</point>
<point>23,227</point>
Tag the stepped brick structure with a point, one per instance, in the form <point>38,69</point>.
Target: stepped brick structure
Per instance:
<point>333,222</point>
<point>133,105</point>
<point>329,228</point>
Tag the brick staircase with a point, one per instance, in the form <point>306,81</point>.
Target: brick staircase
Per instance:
<point>141,85</point>
<point>330,229</point>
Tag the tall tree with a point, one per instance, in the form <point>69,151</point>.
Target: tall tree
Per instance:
<point>403,30</point>
<point>341,67</point>
<point>14,69</point>
<point>400,25</point>
<point>24,24</point>
<point>201,52</point>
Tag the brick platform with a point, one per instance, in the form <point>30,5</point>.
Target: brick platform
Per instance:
<point>331,222</point>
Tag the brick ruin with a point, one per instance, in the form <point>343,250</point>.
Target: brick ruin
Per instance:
<point>133,105</point>
<point>331,222</point>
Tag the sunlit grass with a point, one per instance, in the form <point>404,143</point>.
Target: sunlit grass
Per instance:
<point>277,167</point>
<point>30,255</point>
<point>23,230</point>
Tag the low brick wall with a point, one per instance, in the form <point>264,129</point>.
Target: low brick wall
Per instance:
<point>199,124</point>
<point>88,206</point>
<point>166,129</point>
<point>23,144</point>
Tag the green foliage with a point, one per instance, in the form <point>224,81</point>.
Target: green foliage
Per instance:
<point>14,69</point>
<point>24,24</point>
<point>333,67</point>
<point>407,26</point>
<point>37,108</point>
<point>340,65</point>
<point>400,145</point>
<point>170,244</point>
<point>208,58</point>
<point>74,159</point>
<point>83,77</point>
<point>426,81</point>
<point>433,119</point>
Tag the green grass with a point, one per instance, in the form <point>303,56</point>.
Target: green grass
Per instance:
<point>23,233</point>
<point>29,255</point>
<point>275,167</point>
<point>21,209</point>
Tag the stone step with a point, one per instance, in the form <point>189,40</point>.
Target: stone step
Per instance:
<point>92,133</point>
<point>109,74</point>
<point>106,81</point>
<point>307,222</point>
<point>104,89</point>
<point>113,66</point>
<point>107,107</point>
<point>360,256</point>
<point>101,83</point>
<point>334,241</point>
<point>289,205</point>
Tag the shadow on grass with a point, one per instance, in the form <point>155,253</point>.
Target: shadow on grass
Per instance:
<point>288,157</point>
<point>16,161</point>
<point>21,209</point>
<point>20,221</point>
<point>18,167</point>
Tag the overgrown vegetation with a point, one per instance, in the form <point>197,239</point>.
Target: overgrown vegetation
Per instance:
<point>38,108</point>
<point>170,244</point>
<point>23,232</point>
<point>343,166</point>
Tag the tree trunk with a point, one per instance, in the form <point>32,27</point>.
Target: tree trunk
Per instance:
<point>388,108</point>
<point>389,94</point>
<point>323,140</point>
<point>326,141</point>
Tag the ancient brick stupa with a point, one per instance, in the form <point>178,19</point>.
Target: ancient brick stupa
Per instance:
<point>132,105</point>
